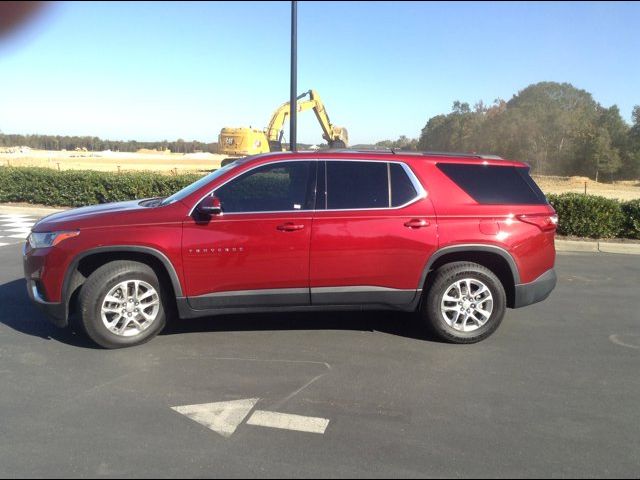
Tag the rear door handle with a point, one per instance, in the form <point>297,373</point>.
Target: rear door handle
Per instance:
<point>290,227</point>
<point>417,223</point>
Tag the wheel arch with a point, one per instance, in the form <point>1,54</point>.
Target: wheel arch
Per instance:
<point>90,260</point>
<point>496,259</point>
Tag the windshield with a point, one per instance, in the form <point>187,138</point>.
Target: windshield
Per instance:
<point>189,189</point>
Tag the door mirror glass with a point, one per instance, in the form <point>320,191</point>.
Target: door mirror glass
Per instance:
<point>210,205</point>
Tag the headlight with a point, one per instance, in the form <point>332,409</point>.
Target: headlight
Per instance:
<point>49,239</point>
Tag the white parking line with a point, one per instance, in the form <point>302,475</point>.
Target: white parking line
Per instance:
<point>288,421</point>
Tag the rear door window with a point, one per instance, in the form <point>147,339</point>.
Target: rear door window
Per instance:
<point>495,184</point>
<point>357,185</point>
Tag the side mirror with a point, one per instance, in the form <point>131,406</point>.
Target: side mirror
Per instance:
<point>210,205</point>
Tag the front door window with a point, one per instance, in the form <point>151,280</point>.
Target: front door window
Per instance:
<point>279,187</point>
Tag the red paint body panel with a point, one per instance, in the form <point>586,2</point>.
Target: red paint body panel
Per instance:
<point>372,247</point>
<point>343,248</point>
<point>246,252</point>
<point>459,216</point>
<point>111,225</point>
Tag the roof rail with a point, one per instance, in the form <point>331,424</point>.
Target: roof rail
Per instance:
<point>361,150</point>
<point>410,152</point>
<point>466,155</point>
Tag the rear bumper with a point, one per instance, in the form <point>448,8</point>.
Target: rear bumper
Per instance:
<point>536,291</point>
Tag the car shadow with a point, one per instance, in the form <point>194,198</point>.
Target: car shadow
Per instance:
<point>389,322</point>
<point>20,314</point>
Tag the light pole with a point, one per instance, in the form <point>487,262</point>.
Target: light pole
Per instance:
<point>293,101</point>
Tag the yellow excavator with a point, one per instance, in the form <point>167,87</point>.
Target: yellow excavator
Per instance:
<point>244,141</point>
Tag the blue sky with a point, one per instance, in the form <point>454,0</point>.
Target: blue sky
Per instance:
<point>163,70</point>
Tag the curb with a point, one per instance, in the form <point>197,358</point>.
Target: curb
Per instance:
<point>596,246</point>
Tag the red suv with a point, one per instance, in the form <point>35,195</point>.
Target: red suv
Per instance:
<point>457,238</point>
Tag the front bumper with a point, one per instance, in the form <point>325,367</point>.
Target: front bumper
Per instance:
<point>536,291</point>
<point>56,312</point>
<point>34,269</point>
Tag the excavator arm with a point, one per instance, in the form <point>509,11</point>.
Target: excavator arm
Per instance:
<point>274,131</point>
<point>337,137</point>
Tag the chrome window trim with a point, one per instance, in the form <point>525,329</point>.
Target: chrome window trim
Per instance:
<point>421,192</point>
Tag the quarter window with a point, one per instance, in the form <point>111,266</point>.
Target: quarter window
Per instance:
<point>284,186</point>
<point>402,190</point>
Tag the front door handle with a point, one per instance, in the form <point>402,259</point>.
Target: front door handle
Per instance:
<point>290,227</point>
<point>417,223</point>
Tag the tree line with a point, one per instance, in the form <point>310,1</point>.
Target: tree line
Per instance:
<point>95,144</point>
<point>555,127</point>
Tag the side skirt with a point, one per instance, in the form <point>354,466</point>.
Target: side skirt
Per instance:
<point>299,300</point>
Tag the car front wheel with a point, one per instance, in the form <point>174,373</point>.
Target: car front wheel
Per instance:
<point>121,304</point>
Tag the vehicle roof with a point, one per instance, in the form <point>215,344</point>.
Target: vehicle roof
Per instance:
<point>390,155</point>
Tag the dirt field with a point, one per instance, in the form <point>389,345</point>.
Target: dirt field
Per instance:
<point>626,190</point>
<point>203,162</point>
<point>112,161</point>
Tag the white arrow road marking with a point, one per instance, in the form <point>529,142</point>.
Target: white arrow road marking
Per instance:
<point>221,417</point>
<point>287,421</point>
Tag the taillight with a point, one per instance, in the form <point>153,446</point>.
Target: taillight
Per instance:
<point>545,222</point>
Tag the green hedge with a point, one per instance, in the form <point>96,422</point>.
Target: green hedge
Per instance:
<point>596,217</point>
<point>631,225</point>
<point>75,188</point>
<point>587,215</point>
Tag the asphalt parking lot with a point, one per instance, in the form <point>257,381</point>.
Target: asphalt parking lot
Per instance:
<point>554,393</point>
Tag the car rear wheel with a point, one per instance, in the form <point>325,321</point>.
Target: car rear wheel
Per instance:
<point>465,303</point>
<point>122,304</point>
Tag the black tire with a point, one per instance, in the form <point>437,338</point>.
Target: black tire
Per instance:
<point>92,295</point>
<point>445,277</point>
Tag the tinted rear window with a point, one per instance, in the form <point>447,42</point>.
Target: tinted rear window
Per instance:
<point>492,184</point>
